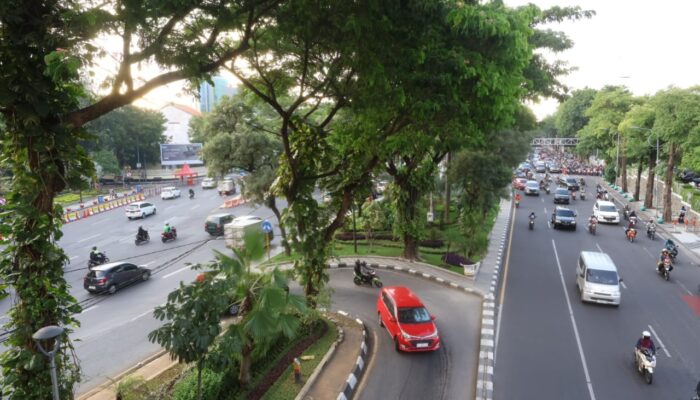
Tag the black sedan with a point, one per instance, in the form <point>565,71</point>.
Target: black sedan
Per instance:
<point>564,218</point>
<point>110,277</point>
<point>561,195</point>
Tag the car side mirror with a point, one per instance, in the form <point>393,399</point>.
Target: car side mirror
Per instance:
<point>392,319</point>
<point>620,280</point>
<point>432,317</point>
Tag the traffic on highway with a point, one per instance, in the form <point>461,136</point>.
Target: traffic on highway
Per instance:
<point>598,312</point>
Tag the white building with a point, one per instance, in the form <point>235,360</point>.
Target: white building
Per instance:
<point>177,123</point>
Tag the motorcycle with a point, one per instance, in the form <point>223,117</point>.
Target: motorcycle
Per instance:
<point>631,234</point>
<point>626,211</point>
<point>645,361</point>
<point>546,189</point>
<point>517,203</point>
<point>531,224</point>
<point>191,195</point>
<point>592,226</point>
<point>651,232</point>
<point>664,269</point>
<point>573,195</point>
<point>99,261</point>
<point>672,249</point>
<point>583,195</point>
<point>166,236</point>
<point>142,239</point>
<point>371,278</point>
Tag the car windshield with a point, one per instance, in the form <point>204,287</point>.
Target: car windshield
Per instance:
<point>563,191</point>
<point>416,315</point>
<point>132,207</point>
<point>571,180</point>
<point>607,208</point>
<point>602,277</point>
<point>533,184</point>
<point>565,213</point>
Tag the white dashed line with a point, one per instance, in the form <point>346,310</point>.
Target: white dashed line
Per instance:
<point>73,258</point>
<point>89,308</point>
<point>623,285</point>
<point>685,288</point>
<point>89,238</point>
<point>148,263</point>
<point>141,315</point>
<point>195,206</point>
<point>663,347</point>
<point>176,272</point>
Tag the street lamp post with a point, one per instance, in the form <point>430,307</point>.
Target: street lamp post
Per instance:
<point>51,332</point>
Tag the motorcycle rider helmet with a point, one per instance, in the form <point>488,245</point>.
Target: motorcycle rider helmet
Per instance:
<point>167,224</point>
<point>646,334</point>
<point>94,247</point>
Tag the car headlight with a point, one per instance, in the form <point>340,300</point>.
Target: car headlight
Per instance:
<point>406,335</point>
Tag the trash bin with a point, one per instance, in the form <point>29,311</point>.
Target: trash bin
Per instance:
<point>139,189</point>
<point>100,199</point>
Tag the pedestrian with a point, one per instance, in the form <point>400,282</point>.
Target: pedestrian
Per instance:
<point>297,370</point>
<point>681,215</point>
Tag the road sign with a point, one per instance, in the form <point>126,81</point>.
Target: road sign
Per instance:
<point>266,226</point>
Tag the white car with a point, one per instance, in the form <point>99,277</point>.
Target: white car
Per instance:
<point>605,211</point>
<point>532,187</point>
<point>140,209</point>
<point>169,193</point>
<point>209,183</point>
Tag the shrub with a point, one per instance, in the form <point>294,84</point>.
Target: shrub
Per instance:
<point>186,389</point>
<point>131,388</point>
<point>455,259</point>
<point>432,243</point>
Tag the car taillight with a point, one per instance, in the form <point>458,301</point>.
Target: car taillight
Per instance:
<point>218,226</point>
<point>102,281</point>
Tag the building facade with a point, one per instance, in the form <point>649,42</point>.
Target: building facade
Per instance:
<point>210,95</point>
<point>177,123</point>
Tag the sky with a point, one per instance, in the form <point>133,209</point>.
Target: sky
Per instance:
<point>645,45</point>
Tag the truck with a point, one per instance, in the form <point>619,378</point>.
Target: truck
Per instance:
<point>226,187</point>
<point>236,229</point>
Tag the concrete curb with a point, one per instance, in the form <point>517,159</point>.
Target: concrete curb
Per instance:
<point>121,375</point>
<point>356,374</point>
<point>326,358</point>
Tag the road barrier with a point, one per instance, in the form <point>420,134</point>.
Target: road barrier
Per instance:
<point>84,212</point>
<point>233,202</point>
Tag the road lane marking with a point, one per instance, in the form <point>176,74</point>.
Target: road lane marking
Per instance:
<point>148,263</point>
<point>169,207</point>
<point>176,272</point>
<point>663,347</point>
<point>545,211</point>
<point>623,285</point>
<point>503,286</point>
<point>140,315</point>
<point>89,237</point>
<point>648,252</point>
<point>542,200</point>
<point>89,308</point>
<point>684,288</point>
<point>195,206</point>
<point>573,323</point>
<point>73,258</point>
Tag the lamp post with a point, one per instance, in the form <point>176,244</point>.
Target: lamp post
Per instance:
<point>51,332</point>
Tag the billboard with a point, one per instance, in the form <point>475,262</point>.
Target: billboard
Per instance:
<point>178,154</point>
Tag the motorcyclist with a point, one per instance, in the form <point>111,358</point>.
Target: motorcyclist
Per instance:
<point>665,254</point>
<point>167,229</point>
<point>191,193</point>
<point>582,182</point>
<point>517,197</point>
<point>362,271</point>
<point>592,220</point>
<point>142,234</point>
<point>681,215</point>
<point>542,183</point>
<point>651,225</point>
<point>645,342</point>
<point>96,255</point>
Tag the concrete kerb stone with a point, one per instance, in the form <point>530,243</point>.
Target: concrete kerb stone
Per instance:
<point>358,371</point>
<point>324,361</point>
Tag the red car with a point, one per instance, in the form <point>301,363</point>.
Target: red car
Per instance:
<point>407,320</point>
<point>519,183</point>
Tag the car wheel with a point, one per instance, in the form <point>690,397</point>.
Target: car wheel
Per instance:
<point>379,317</point>
<point>396,345</point>
<point>145,276</point>
<point>143,215</point>
<point>112,289</point>
<point>154,212</point>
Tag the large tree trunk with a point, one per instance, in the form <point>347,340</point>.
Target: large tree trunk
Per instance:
<point>246,364</point>
<point>410,247</point>
<point>272,205</point>
<point>651,178</point>
<point>623,171</point>
<point>638,182</point>
<point>448,192</point>
<point>668,187</point>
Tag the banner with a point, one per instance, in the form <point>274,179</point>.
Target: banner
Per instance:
<point>179,154</point>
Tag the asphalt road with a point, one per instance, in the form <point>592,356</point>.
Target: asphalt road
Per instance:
<point>448,373</point>
<point>114,328</point>
<point>550,345</point>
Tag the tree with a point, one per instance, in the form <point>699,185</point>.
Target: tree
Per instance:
<point>132,134</point>
<point>571,115</point>
<point>107,162</point>
<point>677,114</point>
<point>265,306</point>
<point>636,126</point>
<point>374,218</point>
<point>45,107</point>
<point>193,313</point>
<point>602,131</point>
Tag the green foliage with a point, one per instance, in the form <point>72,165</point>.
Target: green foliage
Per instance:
<point>107,162</point>
<point>130,134</point>
<point>571,115</point>
<point>186,389</point>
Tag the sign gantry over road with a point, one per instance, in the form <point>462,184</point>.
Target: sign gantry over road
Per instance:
<point>555,141</point>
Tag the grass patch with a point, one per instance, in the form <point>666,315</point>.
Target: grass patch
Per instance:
<point>136,388</point>
<point>688,191</point>
<point>285,388</point>
<point>72,197</point>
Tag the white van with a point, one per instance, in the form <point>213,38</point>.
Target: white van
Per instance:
<point>226,187</point>
<point>597,278</point>
<point>236,229</point>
